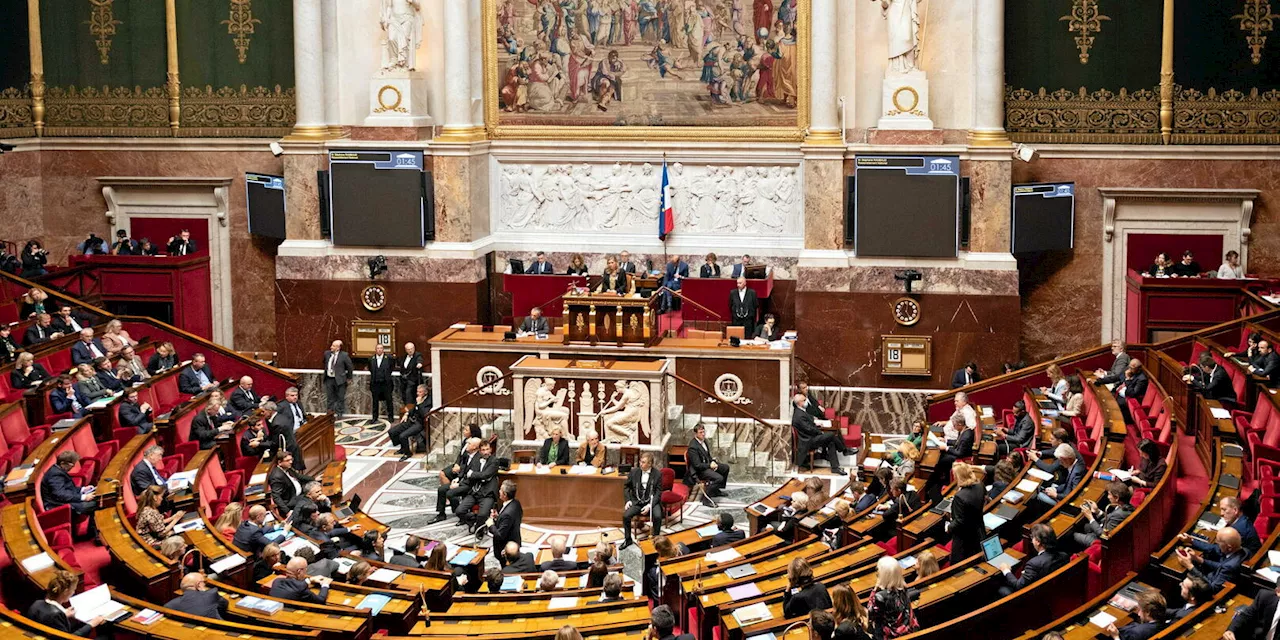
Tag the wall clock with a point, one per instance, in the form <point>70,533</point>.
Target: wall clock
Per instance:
<point>374,297</point>
<point>906,311</point>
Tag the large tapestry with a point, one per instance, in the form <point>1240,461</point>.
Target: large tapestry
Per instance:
<point>647,68</point>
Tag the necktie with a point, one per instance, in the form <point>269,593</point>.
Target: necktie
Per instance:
<point>94,350</point>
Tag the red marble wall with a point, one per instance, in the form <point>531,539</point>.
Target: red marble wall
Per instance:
<point>1062,293</point>
<point>53,194</point>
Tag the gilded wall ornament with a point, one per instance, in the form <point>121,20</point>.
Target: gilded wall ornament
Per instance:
<point>237,111</point>
<point>102,25</point>
<point>1256,20</point>
<point>1083,117</point>
<point>240,24</point>
<point>1085,20</point>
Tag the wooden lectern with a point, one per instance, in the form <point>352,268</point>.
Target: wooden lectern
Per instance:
<point>601,317</point>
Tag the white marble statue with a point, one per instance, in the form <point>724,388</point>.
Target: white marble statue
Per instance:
<point>402,22</point>
<point>902,18</point>
<point>626,413</point>
<point>548,410</point>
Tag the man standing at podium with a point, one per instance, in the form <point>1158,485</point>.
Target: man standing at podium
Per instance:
<point>743,306</point>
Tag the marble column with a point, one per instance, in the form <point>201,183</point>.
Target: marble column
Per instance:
<point>308,69</point>
<point>988,70</point>
<point>332,117</point>
<point>824,196</point>
<point>824,119</point>
<point>459,125</point>
<point>990,183</point>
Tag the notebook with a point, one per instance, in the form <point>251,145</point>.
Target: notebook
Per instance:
<point>995,554</point>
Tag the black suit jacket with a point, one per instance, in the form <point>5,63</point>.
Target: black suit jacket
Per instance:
<point>250,538</point>
<point>36,334</point>
<point>1268,366</point>
<point>544,268</point>
<point>562,454</point>
<point>57,488</point>
<point>49,616</point>
<point>189,383</point>
<point>1140,630</point>
<point>1024,432</point>
<point>242,401</point>
<point>141,478</point>
<point>291,589</point>
<point>559,565</point>
<point>906,503</point>
<point>506,527</point>
<point>131,415</point>
<point>743,309</point>
<point>813,596</point>
<point>81,353</point>
<point>410,371</point>
<point>523,564</point>
<point>639,494</point>
<point>266,445</point>
<point>957,380</point>
<point>699,458</point>
<point>282,424</point>
<point>709,271</point>
<point>8,349</point>
<point>1039,566</point>
<point>1136,387</point>
<point>381,375</point>
<point>726,537</point>
<point>482,476</point>
<point>19,380</point>
<point>175,248</point>
<point>203,430</point>
<point>966,521</point>
<point>342,367</point>
<point>1253,622</point>
<point>813,406</point>
<point>64,327</point>
<point>802,421</point>
<point>208,604</point>
<point>963,446</point>
<point>282,491</point>
<point>109,380</point>
<point>1219,386</point>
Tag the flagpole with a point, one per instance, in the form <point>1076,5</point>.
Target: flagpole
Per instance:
<point>662,198</point>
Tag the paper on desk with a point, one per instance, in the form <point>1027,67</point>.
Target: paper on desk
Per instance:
<point>258,478</point>
<point>723,556</point>
<point>1269,573</point>
<point>292,545</point>
<point>1013,497</point>
<point>708,531</point>
<point>1274,558</point>
<point>1101,619</point>
<point>877,447</point>
<point>230,562</point>
<point>374,602</point>
<point>1039,474</point>
<point>525,467</point>
<point>38,562</point>
<point>871,462</point>
<point>744,591</point>
<point>582,470</point>
<point>181,480</point>
<point>1121,474</point>
<point>907,562</point>
<point>988,412</point>
<point>935,442</point>
<point>543,471</point>
<point>749,615</point>
<point>991,521</point>
<point>1219,413</point>
<point>1027,486</point>
<point>562,603</point>
<point>385,576</point>
<point>95,603</point>
<point>463,558</point>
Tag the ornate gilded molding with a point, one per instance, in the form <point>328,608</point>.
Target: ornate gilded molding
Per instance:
<point>1256,20</point>
<point>240,24</point>
<point>1229,117</point>
<point>231,112</point>
<point>109,111</point>
<point>1085,19</point>
<point>1078,117</point>
<point>15,113</point>
<point>102,25</point>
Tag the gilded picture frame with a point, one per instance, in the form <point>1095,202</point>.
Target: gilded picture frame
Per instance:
<point>495,129</point>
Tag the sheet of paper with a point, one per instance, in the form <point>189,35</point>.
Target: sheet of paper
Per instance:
<point>543,471</point>
<point>1027,486</point>
<point>1268,572</point>
<point>525,467</point>
<point>562,603</point>
<point>1121,474</point>
<point>871,462</point>
<point>726,555</point>
<point>1039,474</point>
<point>1274,558</point>
<point>258,478</point>
<point>744,591</point>
<point>44,561</point>
<point>878,447</point>
<point>708,531</point>
<point>230,562</point>
<point>94,603</point>
<point>991,521</point>
<point>988,412</point>
<point>385,576</point>
<point>1219,413</point>
<point>749,615</point>
<point>1101,619</point>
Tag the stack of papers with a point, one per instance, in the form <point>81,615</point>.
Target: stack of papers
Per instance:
<point>1121,474</point>
<point>871,462</point>
<point>524,467</point>
<point>1269,573</point>
<point>878,447</point>
<point>147,616</point>
<point>97,603</point>
<point>562,603</point>
<point>374,602</point>
<point>385,576</point>
<point>268,607</point>
<point>992,521</point>
<point>1039,474</point>
<point>749,615</point>
<point>1219,413</point>
<point>708,531</point>
<point>259,478</point>
<point>511,583</point>
<point>1013,497</point>
<point>723,556</point>
<point>226,564</point>
<point>463,558</point>
<point>181,480</point>
<point>18,476</point>
<point>292,545</point>
<point>1101,619</point>
<point>744,591</point>
<point>1027,485</point>
<point>37,563</point>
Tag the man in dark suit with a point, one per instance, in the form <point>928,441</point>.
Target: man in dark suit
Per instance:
<point>515,561</point>
<point>296,585</point>
<point>1230,509</point>
<point>311,501</point>
<point>256,440</point>
<point>810,437</point>
<point>1046,560</point>
<point>727,533</point>
<point>283,427</point>
<point>1099,520</point>
<point>204,426</point>
<point>147,471</point>
<point>903,499</point>
<point>181,244</point>
<point>703,466</point>
<point>380,382</point>
<point>962,447</point>
<point>557,562</point>
<point>540,265</point>
<point>1217,563</point>
<point>1022,434</point>
<point>410,366</point>
<point>740,269</point>
<point>53,610</point>
<point>66,399</point>
<point>482,478</point>
<point>507,518</point>
<point>1116,373</point>
<point>412,425</point>
<point>286,483</point>
<point>198,599</point>
<point>243,398</point>
<point>135,414</point>
<point>40,331</point>
<point>1151,608</point>
<point>337,368</point>
<point>1267,364</point>
<point>250,536</point>
<point>1214,383</point>
<point>743,307</point>
<point>1255,621</point>
<point>625,265</point>
<point>643,495</point>
<point>1075,474</point>
<point>673,274</point>
<point>58,488</point>
<point>88,348</point>
<point>812,404</point>
<point>1195,592</point>
<point>408,557</point>
<point>453,482</point>
<point>66,321</point>
<point>662,625</point>
<point>965,376</point>
<point>534,323</point>
<point>106,375</point>
<point>197,377</point>
<point>1134,385</point>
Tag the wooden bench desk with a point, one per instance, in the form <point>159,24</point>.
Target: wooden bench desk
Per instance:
<point>154,574</point>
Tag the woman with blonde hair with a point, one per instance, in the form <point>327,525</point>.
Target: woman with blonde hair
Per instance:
<point>152,526</point>
<point>230,519</point>
<point>33,302</point>
<point>165,357</point>
<point>173,548</point>
<point>816,490</point>
<point>889,606</point>
<point>850,616</point>
<point>908,455</point>
<point>1057,388</point>
<point>926,564</point>
<point>88,384</point>
<point>115,338</point>
<point>966,512</point>
<point>568,632</point>
<point>27,373</point>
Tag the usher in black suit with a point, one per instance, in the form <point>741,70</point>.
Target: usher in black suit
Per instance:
<point>743,306</point>
<point>640,493</point>
<point>380,382</point>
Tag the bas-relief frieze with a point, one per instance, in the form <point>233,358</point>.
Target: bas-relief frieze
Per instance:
<point>624,198</point>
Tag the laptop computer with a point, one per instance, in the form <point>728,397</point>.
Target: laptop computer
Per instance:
<point>350,509</point>
<point>995,553</point>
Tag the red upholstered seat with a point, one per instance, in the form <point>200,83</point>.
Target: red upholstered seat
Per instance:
<point>673,497</point>
<point>852,433</point>
<point>13,424</point>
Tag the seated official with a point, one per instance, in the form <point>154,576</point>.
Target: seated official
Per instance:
<point>577,266</point>
<point>1230,268</point>
<point>285,482</point>
<point>1217,563</point>
<point>256,442</point>
<point>1255,621</point>
<point>57,488</point>
<point>1211,381</point>
<point>65,399</point>
<point>204,426</point>
<point>540,265</point>
<point>627,265</point>
<point>147,471</point>
<point>134,369</point>
<point>1075,474</point>
<point>643,495</point>
<point>8,348</point>
<point>1267,364</point>
<point>1133,385</point>
<point>1046,560</point>
<point>769,329</point>
<point>535,324</point>
<point>662,624</point>
<point>803,594</point>
<point>268,561</point>
<point>1231,509</point>
<point>709,268</point>
<point>961,448</point>
<point>452,484</point>
<point>1100,520</point>
<point>243,399</point>
<point>517,562</point>
<point>311,500</point>
<point>107,375</point>
<point>230,520</point>
<point>1022,434</point>
<point>27,373</point>
<point>88,385</point>
<point>549,581</point>
<point>1160,267</point>
<point>591,451</point>
<point>727,534</point>
<point>197,377</point>
<point>1195,592</point>
<point>612,588</point>
<point>555,449</point>
<point>788,516</point>
<point>55,610</point>
<point>408,557</point>
<point>1001,475</point>
<point>903,499</point>
<point>198,599</point>
<point>40,331</point>
<point>135,414</point>
<point>88,348</point>
<point>296,585</point>
<point>1151,608</point>
<point>359,573</point>
<point>557,561</point>
<point>165,357</point>
<point>251,535</point>
<point>812,437</point>
<point>965,376</point>
<point>615,280</point>
<point>412,425</point>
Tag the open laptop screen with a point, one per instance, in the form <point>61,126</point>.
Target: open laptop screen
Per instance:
<point>991,548</point>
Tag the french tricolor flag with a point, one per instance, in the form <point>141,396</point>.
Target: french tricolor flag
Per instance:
<point>666,214</point>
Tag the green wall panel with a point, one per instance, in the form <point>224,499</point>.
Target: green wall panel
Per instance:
<point>208,53</point>
<point>74,56</point>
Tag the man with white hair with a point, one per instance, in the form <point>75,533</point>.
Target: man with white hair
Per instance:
<point>452,488</point>
<point>242,398</point>
<point>338,370</point>
<point>1116,373</point>
<point>809,437</point>
<point>147,472</point>
<point>557,561</point>
<point>964,412</point>
<point>549,581</point>
<point>296,585</point>
<point>1076,472</point>
<point>198,599</point>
